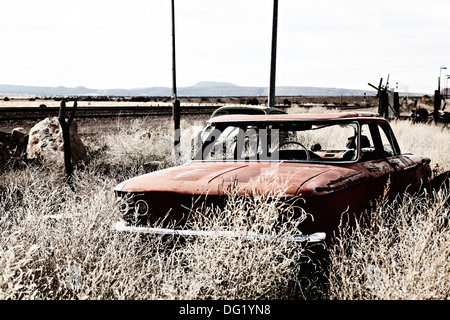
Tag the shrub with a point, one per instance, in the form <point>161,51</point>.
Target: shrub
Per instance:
<point>287,102</point>
<point>252,101</point>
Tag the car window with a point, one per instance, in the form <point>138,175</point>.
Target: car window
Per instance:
<point>377,142</point>
<point>281,141</point>
<point>368,152</point>
<point>389,145</point>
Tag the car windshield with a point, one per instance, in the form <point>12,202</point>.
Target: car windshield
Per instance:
<point>303,141</point>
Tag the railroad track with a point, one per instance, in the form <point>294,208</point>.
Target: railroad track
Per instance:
<point>36,113</point>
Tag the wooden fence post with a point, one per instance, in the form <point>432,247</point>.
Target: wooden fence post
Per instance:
<point>396,105</point>
<point>383,104</point>
<point>65,127</point>
<point>437,105</point>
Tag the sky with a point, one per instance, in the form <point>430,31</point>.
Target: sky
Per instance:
<point>106,44</point>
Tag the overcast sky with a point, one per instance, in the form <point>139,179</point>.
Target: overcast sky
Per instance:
<point>322,43</point>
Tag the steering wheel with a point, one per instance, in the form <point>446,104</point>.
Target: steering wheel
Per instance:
<point>297,143</point>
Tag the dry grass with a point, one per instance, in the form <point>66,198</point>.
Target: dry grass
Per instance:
<point>431,140</point>
<point>56,244</point>
<point>139,146</point>
<point>400,253</point>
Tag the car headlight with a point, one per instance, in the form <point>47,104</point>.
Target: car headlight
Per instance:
<point>141,207</point>
<point>124,206</point>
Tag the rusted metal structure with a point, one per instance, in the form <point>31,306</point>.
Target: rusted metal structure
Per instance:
<point>389,102</point>
<point>336,163</point>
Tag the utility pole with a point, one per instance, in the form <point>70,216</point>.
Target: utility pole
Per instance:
<point>175,103</point>
<point>273,58</point>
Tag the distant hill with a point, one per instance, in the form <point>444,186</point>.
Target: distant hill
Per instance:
<point>209,84</point>
<point>204,88</point>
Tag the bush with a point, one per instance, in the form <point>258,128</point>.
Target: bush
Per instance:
<point>252,101</point>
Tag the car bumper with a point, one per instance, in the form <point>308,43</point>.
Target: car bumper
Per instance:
<point>123,227</point>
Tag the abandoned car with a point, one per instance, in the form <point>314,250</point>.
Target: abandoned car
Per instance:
<point>337,164</point>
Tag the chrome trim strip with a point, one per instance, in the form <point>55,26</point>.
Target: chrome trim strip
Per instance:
<point>121,226</point>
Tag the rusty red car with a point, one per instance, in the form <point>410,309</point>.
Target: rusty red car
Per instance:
<point>337,163</point>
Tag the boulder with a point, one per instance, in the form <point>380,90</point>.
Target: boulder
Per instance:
<point>45,142</point>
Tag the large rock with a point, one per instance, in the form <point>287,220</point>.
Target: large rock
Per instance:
<point>45,142</point>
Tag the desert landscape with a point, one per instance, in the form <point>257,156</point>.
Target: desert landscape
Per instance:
<point>56,242</point>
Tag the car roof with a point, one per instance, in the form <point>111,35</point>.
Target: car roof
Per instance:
<point>238,109</point>
<point>295,116</point>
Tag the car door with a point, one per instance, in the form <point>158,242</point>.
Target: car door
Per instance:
<point>408,170</point>
<point>380,169</point>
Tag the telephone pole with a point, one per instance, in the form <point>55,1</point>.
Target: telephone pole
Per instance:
<point>273,58</point>
<point>175,103</point>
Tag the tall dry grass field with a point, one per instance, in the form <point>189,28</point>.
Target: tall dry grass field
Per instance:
<point>400,252</point>
<point>427,139</point>
<point>59,244</point>
<point>56,244</point>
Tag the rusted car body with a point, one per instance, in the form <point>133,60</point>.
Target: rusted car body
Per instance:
<point>333,163</point>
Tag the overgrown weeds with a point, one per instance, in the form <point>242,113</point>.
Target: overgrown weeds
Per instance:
<point>399,251</point>
<point>57,244</point>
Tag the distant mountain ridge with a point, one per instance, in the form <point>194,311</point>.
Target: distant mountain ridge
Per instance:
<point>203,88</point>
<point>209,84</point>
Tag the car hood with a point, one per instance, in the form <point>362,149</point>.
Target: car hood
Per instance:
<point>215,177</point>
